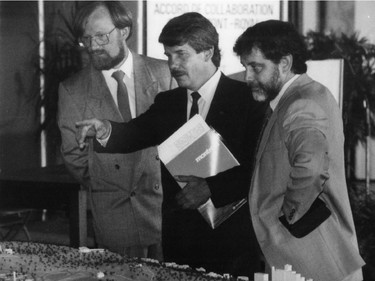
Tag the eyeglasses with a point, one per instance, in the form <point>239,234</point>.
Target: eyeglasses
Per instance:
<point>100,39</point>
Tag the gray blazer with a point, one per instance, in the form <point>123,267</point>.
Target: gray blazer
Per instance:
<point>125,190</point>
<point>301,157</point>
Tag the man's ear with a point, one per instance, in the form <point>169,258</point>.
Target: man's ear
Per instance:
<point>286,63</point>
<point>125,32</point>
<point>208,54</point>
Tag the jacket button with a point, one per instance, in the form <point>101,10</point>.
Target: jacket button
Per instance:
<point>157,157</point>
<point>117,166</point>
<point>132,194</point>
<point>156,186</point>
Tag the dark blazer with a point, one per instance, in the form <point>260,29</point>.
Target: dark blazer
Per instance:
<point>187,238</point>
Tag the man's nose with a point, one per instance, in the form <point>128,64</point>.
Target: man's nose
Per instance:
<point>249,75</point>
<point>173,63</point>
<point>93,45</point>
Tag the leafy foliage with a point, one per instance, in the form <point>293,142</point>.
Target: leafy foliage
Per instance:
<point>359,78</point>
<point>363,207</point>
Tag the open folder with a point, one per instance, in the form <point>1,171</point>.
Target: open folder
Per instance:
<point>195,149</point>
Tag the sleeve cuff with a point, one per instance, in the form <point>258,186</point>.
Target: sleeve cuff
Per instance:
<point>103,142</point>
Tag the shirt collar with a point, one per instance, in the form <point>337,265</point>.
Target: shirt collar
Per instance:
<point>127,66</point>
<point>208,89</point>
<point>275,101</point>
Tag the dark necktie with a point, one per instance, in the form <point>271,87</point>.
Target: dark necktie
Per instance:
<point>194,107</point>
<point>267,117</point>
<point>122,96</point>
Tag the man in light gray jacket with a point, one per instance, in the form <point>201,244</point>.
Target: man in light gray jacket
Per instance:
<point>298,196</point>
<point>125,191</point>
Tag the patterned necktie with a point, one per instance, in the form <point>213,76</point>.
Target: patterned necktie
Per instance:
<point>194,107</point>
<point>122,96</point>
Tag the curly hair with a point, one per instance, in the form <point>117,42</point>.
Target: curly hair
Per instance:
<point>275,39</point>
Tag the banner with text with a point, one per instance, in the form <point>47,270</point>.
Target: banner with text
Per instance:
<point>230,17</point>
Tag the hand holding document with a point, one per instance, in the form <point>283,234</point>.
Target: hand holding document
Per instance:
<point>197,150</point>
<point>195,193</point>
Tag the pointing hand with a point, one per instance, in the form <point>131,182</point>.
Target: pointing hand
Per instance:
<point>91,128</point>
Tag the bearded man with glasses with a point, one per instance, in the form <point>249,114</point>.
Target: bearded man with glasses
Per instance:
<point>125,193</point>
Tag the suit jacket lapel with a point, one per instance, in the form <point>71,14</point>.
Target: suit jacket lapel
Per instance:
<point>100,100</point>
<point>145,85</point>
<point>303,79</point>
<point>265,135</point>
<point>219,104</point>
<point>180,105</point>
<point>145,88</point>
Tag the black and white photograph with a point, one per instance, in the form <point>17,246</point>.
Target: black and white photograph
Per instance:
<point>173,140</point>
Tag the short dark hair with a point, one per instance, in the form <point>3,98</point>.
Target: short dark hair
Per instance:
<point>275,39</point>
<point>194,29</point>
<point>120,15</point>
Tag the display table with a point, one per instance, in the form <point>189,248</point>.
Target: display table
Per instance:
<point>23,261</point>
<point>47,188</point>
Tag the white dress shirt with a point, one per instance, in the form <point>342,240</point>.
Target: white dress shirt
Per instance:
<point>207,92</point>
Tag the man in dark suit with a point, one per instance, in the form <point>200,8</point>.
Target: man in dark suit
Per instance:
<point>191,45</point>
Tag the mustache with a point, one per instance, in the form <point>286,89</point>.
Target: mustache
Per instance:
<point>97,52</point>
<point>252,84</point>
